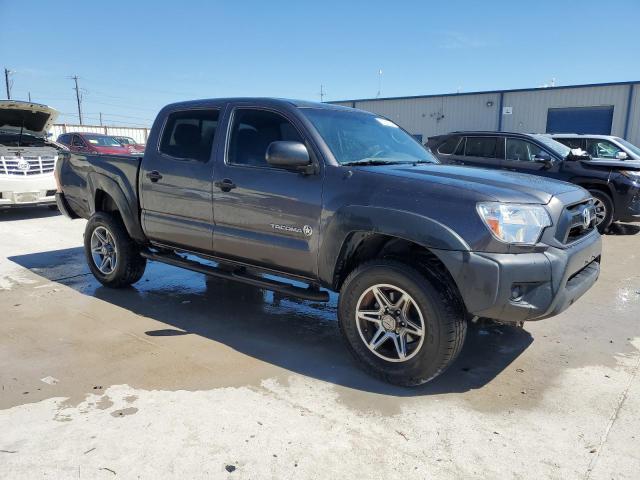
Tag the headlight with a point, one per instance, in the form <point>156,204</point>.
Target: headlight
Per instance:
<point>514,223</point>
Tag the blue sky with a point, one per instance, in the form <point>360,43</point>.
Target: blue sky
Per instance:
<point>133,57</point>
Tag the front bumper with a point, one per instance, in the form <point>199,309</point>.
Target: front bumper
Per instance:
<point>525,286</point>
<point>23,191</point>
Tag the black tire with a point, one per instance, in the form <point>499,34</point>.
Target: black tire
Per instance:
<point>442,312</point>
<point>607,204</point>
<point>130,265</point>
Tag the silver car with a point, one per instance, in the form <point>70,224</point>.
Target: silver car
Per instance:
<point>600,147</point>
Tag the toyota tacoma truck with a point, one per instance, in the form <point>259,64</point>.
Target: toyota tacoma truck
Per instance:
<point>27,158</point>
<point>304,198</point>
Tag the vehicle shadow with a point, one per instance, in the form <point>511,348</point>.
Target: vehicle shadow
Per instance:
<point>25,213</point>
<point>623,229</point>
<point>294,334</point>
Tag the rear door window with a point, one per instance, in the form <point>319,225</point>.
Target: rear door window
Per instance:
<point>481,147</point>
<point>189,134</point>
<point>449,145</point>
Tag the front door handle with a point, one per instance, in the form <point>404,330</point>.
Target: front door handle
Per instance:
<point>225,185</point>
<point>154,176</point>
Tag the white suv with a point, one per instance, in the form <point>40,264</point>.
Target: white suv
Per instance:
<point>27,158</point>
<point>600,147</point>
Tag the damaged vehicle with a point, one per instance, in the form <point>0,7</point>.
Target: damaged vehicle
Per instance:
<point>27,157</point>
<point>304,198</point>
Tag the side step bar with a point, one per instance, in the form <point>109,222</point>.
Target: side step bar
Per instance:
<point>310,293</point>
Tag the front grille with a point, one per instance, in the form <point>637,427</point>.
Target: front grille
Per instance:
<point>571,226</point>
<point>37,165</point>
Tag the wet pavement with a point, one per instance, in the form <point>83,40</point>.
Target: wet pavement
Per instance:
<point>186,377</point>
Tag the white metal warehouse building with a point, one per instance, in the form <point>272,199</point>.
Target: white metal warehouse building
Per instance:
<point>606,108</point>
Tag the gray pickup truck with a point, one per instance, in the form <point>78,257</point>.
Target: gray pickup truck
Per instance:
<point>321,197</point>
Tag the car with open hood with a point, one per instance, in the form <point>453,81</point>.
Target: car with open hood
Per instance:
<point>27,157</point>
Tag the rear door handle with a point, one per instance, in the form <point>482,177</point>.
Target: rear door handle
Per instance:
<point>225,185</point>
<point>154,176</point>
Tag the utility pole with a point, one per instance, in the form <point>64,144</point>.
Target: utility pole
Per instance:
<point>7,72</point>
<point>321,93</point>
<point>78,97</point>
<point>379,83</point>
<point>29,97</point>
<point>100,118</point>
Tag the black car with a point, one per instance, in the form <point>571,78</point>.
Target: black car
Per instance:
<point>615,185</point>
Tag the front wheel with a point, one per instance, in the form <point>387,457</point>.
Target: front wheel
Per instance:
<point>400,325</point>
<point>113,257</point>
<point>604,210</point>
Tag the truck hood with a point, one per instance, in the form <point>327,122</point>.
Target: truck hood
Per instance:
<point>496,185</point>
<point>613,164</point>
<point>33,118</point>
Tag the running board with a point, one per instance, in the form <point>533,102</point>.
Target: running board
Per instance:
<point>310,293</point>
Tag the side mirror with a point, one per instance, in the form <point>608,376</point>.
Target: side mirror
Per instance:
<point>622,155</point>
<point>543,157</point>
<point>289,155</point>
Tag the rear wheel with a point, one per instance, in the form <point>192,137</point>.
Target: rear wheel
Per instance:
<point>113,257</point>
<point>400,325</point>
<point>604,210</point>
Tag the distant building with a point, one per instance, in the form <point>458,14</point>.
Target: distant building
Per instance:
<point>605,108</point>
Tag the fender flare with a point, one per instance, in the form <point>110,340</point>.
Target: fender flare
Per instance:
<point>419,229</point>
<point>98,181</point>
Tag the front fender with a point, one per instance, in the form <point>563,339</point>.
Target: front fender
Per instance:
<point>412,227</point>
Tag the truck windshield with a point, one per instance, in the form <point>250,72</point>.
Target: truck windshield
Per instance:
<point>358,137</point>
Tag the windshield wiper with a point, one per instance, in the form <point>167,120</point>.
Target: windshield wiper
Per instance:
<point>373,161</point>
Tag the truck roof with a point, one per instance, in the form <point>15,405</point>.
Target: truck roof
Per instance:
<point>258,100</point>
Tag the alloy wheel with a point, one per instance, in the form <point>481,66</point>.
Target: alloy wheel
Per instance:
<point>103,250</point>
<point>390,323</point>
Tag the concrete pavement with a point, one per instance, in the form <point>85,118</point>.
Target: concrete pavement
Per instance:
<point>181,377</point>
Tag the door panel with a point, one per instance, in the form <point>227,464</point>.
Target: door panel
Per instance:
<point>271,216</point>
<point>175,183</point>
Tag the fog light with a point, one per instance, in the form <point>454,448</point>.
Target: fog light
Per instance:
<point>516,293</point>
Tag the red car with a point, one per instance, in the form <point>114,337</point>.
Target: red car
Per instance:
<point>131,144</point>
<point>83,142</point>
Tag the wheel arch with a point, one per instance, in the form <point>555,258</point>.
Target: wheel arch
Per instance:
<point>109,197</point>
<point>368,232</point>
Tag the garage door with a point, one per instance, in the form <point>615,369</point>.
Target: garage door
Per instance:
<point>580,120</point>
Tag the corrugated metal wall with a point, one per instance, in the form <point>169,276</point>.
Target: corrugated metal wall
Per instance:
<point>435,115</point>
<point>140,135</point>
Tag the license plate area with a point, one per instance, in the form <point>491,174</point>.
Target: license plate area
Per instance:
<point>26,197</point>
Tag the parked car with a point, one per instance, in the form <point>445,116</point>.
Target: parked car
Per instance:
<point>344,200</point>
<point>82,142</point>
<point>27,158</point>
<point>600,147</point>
<point>615,185</point>
<point>131,144</point>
